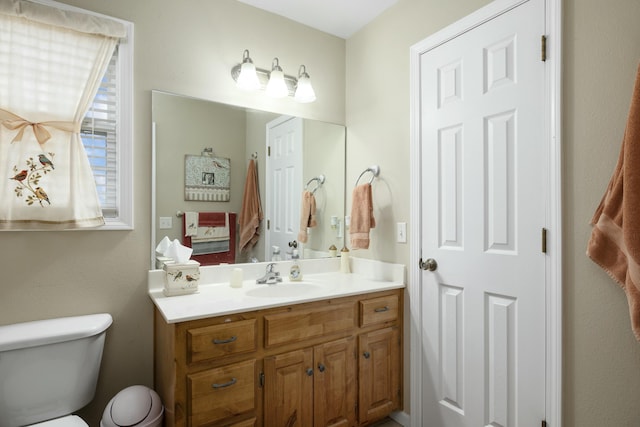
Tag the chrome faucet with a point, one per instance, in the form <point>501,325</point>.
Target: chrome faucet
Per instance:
<point>271,277</point>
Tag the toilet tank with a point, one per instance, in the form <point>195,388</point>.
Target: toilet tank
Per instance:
<point>49,368</point>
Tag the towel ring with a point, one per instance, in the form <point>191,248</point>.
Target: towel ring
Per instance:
<point>375,171</point>
<point>320,179</point>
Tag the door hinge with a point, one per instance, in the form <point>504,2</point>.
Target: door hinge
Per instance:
<point>543,48</point>
<point>269,151</point>
<point>261,379</point>
<point>544,240</point>
<point>544,423</point>
<point>268,224</point>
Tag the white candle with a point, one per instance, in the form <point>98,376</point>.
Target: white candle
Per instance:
<point>236,278</point>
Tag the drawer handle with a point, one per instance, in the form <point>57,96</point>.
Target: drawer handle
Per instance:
<point>223,385</point>
<point>227,341</point>
<point>382,309</point>
<point>366,354</point>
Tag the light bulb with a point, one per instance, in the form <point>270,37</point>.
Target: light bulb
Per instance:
<point>304,90</point>
<point>277,88</point>
<point>248,78</point>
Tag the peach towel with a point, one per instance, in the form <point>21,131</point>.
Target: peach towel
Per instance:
<point>307,215</point>
<point>362,220</point>
<point>615,237</point>
<point>251,212</point>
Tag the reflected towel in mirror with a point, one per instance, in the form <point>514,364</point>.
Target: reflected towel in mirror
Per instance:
<point>615,238</point>
<point>251,212</point>
<point>307,215</point>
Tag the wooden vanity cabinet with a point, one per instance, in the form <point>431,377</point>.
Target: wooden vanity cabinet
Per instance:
<point>335,362</point>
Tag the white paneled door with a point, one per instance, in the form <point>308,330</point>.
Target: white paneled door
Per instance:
<point>284,182</point>
<point>483,210</point>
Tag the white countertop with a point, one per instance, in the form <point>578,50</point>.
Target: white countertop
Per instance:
<point>321,280</point>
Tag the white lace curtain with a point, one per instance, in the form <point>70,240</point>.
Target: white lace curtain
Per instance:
<point>51,64</point>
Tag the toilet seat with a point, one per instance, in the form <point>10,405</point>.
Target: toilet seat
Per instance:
<point>68,421</point>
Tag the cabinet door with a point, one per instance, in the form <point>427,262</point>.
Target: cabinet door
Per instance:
<point>335,384</point>
<point>379,374</point>
<point>288,399</point>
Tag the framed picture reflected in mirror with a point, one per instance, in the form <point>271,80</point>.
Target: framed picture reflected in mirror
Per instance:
<point>207,178</point>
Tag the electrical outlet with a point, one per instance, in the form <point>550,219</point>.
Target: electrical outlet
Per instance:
<point>401,233</point>
<point>165,223</point>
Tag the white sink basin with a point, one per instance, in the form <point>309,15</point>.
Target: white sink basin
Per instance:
<point>286,289</point>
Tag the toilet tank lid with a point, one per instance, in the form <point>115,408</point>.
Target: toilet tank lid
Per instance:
<point>49,331</point>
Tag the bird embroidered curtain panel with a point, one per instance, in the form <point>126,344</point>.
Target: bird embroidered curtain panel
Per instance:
<point>51,65</point>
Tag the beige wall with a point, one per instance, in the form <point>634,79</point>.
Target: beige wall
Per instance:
<point>186,47</point>
<point>48,274</point>
<point>601,52</point>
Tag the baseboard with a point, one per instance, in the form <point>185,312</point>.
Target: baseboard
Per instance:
<point>401,417</point>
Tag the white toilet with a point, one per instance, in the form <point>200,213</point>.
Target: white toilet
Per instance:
<point>49,369</point>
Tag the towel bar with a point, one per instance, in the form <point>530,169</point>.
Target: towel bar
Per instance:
<point>320,179</point>
<point>375,171</point>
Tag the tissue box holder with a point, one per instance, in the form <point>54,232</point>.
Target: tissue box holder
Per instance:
<point>181,278</point>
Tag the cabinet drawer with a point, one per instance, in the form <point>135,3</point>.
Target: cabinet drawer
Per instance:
<point>221,340</point>
<point>303,324</point>
<point>378,310</point>
<point>217,394</point>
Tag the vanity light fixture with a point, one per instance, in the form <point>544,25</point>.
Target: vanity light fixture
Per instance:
<point>247,77</point>
<point>276,87</point>
<point>276,84</point>
<point>304,90</point>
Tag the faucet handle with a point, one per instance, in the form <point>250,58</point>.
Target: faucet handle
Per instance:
<point>270,267</point>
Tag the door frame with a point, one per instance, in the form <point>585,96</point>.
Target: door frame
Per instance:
<point>553,259</point>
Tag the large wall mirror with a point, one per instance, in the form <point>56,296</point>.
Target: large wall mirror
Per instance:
<point>186,128</point>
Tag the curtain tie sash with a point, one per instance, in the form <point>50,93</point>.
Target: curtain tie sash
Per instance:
<point>14,122</point>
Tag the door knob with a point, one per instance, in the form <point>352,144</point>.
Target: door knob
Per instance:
<point>293,244</point>
<point>430,264</point>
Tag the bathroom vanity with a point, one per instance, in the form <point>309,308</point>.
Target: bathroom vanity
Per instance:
<point>324,352</point>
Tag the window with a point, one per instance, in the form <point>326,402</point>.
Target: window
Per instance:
<point>107,133</point>
<point>52,55</point>
<point>100,138</point>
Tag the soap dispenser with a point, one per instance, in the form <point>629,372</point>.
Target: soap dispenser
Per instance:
<point>275,256</point>
<point>295,274</point>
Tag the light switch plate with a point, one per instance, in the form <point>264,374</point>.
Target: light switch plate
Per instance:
<point>165,223</point>
<point>401,232</point>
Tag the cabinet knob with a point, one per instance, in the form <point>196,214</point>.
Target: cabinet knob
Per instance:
<point>309,371</point>
<point>366,354</point>
<point>321,367</point>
